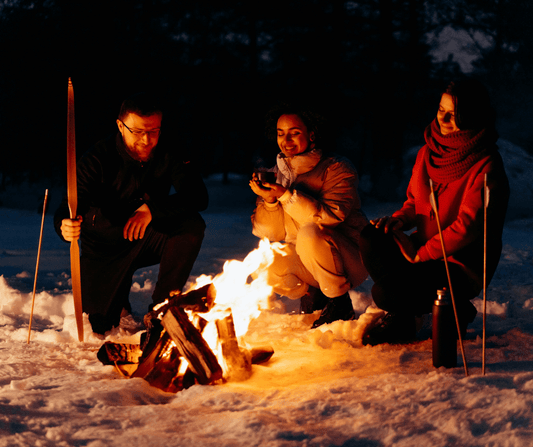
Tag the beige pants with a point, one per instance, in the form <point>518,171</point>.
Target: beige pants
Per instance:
<point>322,258</point>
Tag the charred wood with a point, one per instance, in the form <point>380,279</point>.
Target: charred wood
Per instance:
<point>162,365</point>
<point>121,353</point>
<point>151,357</point>
<point>261,355</point>
<point>192,346</point>
<point>198,301</point>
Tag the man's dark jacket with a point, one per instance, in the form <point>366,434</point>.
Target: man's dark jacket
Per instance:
<point>112,185</point>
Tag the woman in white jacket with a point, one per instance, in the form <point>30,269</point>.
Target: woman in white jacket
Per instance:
<point>314,209</point>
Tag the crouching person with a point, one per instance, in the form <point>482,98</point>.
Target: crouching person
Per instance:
<point>127,217</point>
<point>408,270</point>
<point>313,207</point>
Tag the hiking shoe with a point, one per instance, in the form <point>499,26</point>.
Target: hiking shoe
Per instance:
<point>393,329</point>
<point>131,324</point>
<point>339,308</point>
<point>313,300</point>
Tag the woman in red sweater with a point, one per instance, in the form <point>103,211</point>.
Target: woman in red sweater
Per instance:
<point>409,269</point>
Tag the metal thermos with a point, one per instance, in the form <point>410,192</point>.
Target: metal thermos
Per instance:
<point>444,332</point>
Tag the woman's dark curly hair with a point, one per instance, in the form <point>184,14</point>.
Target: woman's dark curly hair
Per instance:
<point>472,105</point>
<point>313,121</point>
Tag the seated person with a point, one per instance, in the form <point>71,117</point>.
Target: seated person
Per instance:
<point>127,219</point>
<point>408,270</point>
<point>313,208</point>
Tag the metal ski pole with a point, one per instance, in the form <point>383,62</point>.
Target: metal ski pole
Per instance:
<point>486,197</point>
<point>433,202</point>
<point>37,265</point>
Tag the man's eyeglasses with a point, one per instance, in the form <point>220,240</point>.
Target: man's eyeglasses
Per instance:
<point>140,133</point>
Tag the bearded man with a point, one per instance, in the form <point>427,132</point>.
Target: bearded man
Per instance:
<point>128,217</point>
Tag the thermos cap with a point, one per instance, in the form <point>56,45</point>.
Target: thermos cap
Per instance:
<point>442,298</point>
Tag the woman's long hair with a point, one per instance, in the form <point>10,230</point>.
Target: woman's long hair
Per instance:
<point>473,109</point>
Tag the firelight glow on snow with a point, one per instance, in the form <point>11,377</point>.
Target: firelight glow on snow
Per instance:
<point>320,388</point>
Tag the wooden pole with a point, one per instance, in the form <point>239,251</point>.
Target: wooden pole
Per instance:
<point>37,265</point>
<point>433,202</point>
<point>72,193</point>
<point>485,206</point>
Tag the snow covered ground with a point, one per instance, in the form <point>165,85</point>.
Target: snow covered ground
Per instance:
<point>321,387</point>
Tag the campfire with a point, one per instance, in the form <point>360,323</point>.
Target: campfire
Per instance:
<point>198,336</point>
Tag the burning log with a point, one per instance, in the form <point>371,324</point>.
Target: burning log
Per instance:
<point>164,368</point>
<point>151,357</point>
<point>166,373</point>
<point>192,346</point>
<point>198,301</point>
<point>238,363</point>
<point>173,353</point>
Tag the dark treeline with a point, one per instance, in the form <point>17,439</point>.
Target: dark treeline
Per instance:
<point>220,65</point>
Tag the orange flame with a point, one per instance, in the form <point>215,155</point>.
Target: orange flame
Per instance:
<point>242,288</point>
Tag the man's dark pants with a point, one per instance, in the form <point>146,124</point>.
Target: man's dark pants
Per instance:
<point>107,269</point>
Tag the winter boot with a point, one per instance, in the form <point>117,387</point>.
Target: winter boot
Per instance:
<point>393,329</point>
<point>313,300</point>
<point>130,323</point>
<point>339,308</point>
<point>100,324</point>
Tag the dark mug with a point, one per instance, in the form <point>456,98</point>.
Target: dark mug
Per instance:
<point>266,176</point>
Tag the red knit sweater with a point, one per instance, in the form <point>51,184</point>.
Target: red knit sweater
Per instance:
<point>460,207</point>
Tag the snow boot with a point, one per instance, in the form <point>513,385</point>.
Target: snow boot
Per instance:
<point>130,323</point>
<point>393,329</point>
<point>100,324</point>
<point>339,308</point>
<point>313,300</point>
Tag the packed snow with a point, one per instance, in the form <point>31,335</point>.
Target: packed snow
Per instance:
<point>320,388</point>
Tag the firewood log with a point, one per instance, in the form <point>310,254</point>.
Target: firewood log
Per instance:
<point>161,367</point>
<point>238,365</point>
<point>150,358</point>
<point>261,355</point>
<point>192,346</point>
<point>198,301</point>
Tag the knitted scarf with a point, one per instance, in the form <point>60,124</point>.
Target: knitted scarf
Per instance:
<point>450,156</point>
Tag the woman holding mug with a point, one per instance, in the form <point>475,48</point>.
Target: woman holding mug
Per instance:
<point>314,209</point>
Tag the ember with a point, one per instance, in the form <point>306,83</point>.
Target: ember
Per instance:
<point>197,336</point>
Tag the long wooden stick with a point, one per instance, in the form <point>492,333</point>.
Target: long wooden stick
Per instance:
<point>485,206</point>
<point>433,202</point>
<point>37,265</point>
<point>72,193</point>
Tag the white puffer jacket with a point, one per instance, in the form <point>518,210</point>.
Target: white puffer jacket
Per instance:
<point>320,189</point>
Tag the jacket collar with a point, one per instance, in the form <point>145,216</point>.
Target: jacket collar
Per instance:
<point>300,164</point>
